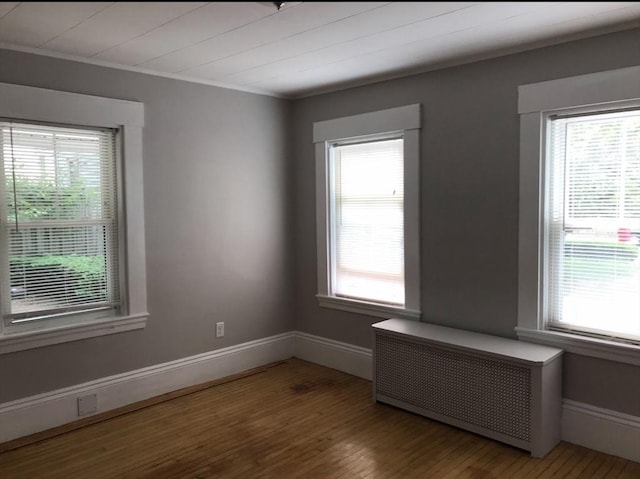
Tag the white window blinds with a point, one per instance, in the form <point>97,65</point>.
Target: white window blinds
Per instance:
<point>367,221</point>
<point>59,221</point>
<point>594,223</point>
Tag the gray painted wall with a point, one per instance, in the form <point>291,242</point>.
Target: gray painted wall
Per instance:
<point>230,213</point>
<point>469,204</point>
<point>217,217</point>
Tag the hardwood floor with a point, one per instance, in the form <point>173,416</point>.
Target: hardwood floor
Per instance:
<point>295,419</point>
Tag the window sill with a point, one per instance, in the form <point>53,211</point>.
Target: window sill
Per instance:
<point>12,342</point>
<point>583,345</point>
<point>367,308</point>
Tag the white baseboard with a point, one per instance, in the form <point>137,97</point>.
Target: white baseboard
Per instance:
<point>344,357</point>
<point>600,429</point>
<point>45,411</point>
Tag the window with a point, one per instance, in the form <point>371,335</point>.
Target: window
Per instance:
<point>366,219</point>
<point>579,261</point>
<point>593,229</point>
<point>368,223</point>
<point>71,224</point>
<point>59,229</point>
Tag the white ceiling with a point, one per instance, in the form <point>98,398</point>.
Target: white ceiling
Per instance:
<point>306,47</point>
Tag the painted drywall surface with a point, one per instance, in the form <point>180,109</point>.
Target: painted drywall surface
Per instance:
<point>469,186</point>
<point>217,214</point>
<point>606,384</point>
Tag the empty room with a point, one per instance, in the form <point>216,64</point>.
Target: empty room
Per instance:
<point>319,240</point>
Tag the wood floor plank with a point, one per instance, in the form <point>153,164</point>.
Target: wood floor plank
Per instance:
<point>293,420</point>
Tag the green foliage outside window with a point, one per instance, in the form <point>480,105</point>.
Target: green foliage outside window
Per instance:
<point>83,275</point>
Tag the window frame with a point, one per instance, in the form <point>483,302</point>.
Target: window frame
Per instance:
<point>596,92</point>
<point>404,121</point>
<point>24,103</point>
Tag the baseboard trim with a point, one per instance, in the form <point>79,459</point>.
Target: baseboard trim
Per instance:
<point>52,409</point>
<point>344,357</point>
<point>601,429</point>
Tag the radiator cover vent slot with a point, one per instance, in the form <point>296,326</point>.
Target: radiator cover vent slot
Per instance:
<point>487,393</point>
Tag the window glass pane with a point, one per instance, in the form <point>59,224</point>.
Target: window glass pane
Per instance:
<point>59,219</point>
<point>368,221</point>
<point>594,230</point>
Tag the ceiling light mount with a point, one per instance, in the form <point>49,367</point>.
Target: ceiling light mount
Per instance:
<point>279,5</point>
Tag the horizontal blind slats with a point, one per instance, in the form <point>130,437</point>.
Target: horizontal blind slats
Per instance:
<point>60,218</point>
<point>368,221</point>
<point>594,229</point>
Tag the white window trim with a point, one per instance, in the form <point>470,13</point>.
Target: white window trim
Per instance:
<point>405,120</point>
<point>39,104</point>
<point>597,91</point>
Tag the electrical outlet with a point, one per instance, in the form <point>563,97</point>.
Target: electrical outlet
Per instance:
<point>219,330</point>
<point>87,404</point>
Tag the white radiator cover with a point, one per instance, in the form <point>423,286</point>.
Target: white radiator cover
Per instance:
<point>504,389</point>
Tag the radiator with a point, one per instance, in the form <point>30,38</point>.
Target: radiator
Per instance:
<point>504,389</point>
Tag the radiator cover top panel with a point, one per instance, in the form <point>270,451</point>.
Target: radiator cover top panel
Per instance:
<point>492,394</point>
